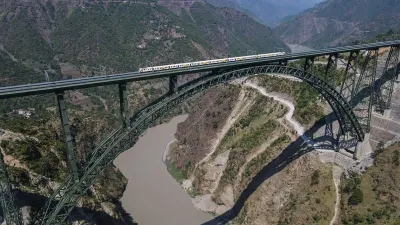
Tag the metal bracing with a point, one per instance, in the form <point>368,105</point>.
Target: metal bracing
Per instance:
<point>7,200</point>
<point>125,138</point>
<point>330,69</point>
<point>309,64</point>
<point>385,83</point>
<point>123,103</point>
<point>173,83</point>
<point>349,79</point>
<point>363,107</point>
<point>71,158</point>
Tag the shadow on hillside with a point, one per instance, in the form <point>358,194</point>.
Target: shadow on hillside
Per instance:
<point>79,213</point>
<point>292,152</point>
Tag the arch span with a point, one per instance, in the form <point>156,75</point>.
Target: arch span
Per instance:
<point>63,201</point>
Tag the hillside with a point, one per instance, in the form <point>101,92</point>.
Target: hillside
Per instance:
<point>339,22</point>
<point>77,37</point>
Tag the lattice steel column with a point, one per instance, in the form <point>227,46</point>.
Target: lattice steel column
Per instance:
<point>330,69</point>
<point>363,107</point>
<point>309,65</point>
<point>123,103</point>
<point>71,158</point>
<point>384,88</point>
<point>10,210</point>
<point>173,83</point>
<point>349,79</point>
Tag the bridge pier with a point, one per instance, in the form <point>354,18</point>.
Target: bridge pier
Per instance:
<point>363,148</point>
<point>123,103</point>
<point>71,158</point>
<point>173,83</point>
<point>386,113</point>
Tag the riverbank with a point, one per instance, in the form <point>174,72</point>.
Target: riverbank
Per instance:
<point>152,196</point>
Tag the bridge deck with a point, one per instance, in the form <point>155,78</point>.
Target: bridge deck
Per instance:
<point>49,87</point>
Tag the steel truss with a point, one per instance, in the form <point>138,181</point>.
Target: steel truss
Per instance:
<point>363,107</point>
<point>384,88</point>
<point>10,210</point>
<point>62,202</point>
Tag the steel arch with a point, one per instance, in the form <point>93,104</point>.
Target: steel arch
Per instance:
<point>57,209</point>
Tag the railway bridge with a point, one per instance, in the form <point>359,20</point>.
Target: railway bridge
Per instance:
<point>352,98</point>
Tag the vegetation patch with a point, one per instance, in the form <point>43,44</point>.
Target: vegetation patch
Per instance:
<point>372,198</point>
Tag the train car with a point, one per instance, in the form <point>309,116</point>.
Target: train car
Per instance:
<point>207,62</point>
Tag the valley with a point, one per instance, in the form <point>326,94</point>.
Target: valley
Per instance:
<point>245,143</point>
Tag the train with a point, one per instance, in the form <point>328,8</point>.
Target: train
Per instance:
<point>207,62</point>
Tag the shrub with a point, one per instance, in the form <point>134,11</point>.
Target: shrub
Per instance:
<point>356,197</point>
<point>315,178</point>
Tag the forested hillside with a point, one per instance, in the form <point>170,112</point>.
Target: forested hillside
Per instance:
<point>76,37</point>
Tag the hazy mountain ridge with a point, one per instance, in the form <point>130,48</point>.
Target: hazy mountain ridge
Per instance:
<point>338,22</point>
<point>270,12</point>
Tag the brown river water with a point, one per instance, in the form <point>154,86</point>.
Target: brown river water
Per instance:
<point>152,196</point>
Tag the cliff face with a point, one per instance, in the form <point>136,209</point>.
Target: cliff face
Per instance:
<point>337,22</point>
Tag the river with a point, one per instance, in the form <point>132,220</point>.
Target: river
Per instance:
<point>152,196</point>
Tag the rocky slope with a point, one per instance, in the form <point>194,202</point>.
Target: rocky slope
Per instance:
<point>338,22</point>
<point>240,166</point>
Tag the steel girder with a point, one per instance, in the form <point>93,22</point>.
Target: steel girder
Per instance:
<point>385,84</point>
<point>363,107</point>
<point>126,137</point>
<point>7,200</point>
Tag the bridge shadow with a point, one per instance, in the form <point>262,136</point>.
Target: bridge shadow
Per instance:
<point>37,201</point>
<point>294,151</point>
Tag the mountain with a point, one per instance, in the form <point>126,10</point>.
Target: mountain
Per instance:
<point>270,12</point>
<point>79,36</point>
<point>338,22</point>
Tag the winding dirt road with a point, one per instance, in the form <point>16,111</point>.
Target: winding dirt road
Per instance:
<point>300,130</point>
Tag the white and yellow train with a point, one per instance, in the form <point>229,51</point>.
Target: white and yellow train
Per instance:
<point>207,62</point>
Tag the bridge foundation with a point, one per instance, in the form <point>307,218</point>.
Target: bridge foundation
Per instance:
<point>386,113</point>
<point>363,148</point>
<point>67,136</point>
